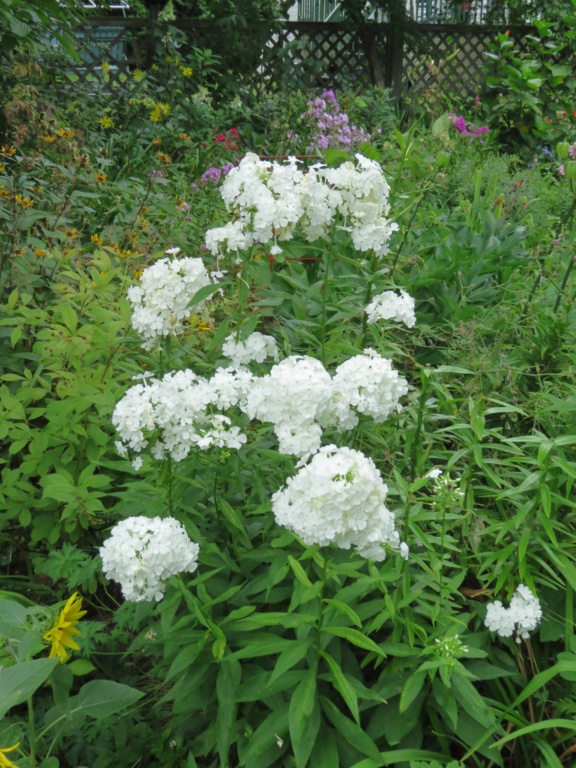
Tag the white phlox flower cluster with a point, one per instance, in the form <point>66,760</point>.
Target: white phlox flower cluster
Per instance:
<point>160,301</point>
<point>298,397</point>
<point>295,397</point>
<point>338,498</point>
<point>178,410</point>
<point>271,200</point>
<point>390,306</point>
<point>522,616</point>
<point>256,348</point>
<point>371,385</point>
<point>142,553</point>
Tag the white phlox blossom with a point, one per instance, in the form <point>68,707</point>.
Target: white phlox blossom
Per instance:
<point>370,384</point>
<point>255,348</point>
<point>338,498</point>
<point>270,201</point>
<point>176,413</point>
<point>522,616</point>
<point>390,306</point>
<point>295,397</point>
<point>160,300</point>
<point>142,553</point>
<point>364,191</point>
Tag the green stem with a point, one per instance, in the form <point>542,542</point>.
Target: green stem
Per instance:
<point>564,281</point>
<point>411,220</point>
<point>324,302</point>
<point>368,294</point>
<point>441,569</point>
<point>31,733</point>
<point>321,604</point>
<point>420,419</point>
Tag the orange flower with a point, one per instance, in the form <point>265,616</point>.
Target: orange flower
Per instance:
<point>38,252</point>
<point>163,158</point>
<point>157,142</point>
<point>66,133</point>
<point>49,139</point>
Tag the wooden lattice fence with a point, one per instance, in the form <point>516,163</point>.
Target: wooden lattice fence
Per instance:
<point>307,54</point>
<point>450,57</point>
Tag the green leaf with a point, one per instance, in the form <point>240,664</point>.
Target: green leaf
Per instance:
<point>227,682</point>
<point>567,725</point>
<point>289,657</point>
<point>304,718</point>
<point>441,125</point>
<point>100,698</point>
<point>19,682</point>
<point>348,729</point>
<point>471,701</point>
<point>343,686</point>
<point>345,610</point>
<point>335,157</point>
<point>275,726</point>
<point>356,638</point>
<point>411,689</point>
<point>80,667</point>
<point>299,572</point>
<point>203,293</point>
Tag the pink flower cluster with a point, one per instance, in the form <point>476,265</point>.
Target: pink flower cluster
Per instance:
<point>329,126</point>
<point>467,130</point>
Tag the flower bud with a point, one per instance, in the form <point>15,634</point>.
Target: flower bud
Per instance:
<point>563,148</point>
<point>570,170</point>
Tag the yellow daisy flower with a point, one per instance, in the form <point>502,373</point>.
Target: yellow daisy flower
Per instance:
<point>8,151</point>
<point>137,75</point>
<point>106,122</point>
<point>186,71</point>
<point>96,239</point>
<point>49,139</point>
<point>184,137</point>
<point>66,133</point>
<point>4,761</point>
<point>106,66</point>
<point>100,177</point>
<point>61,634</point>
<point>25,202</point>
<point>2,168</point>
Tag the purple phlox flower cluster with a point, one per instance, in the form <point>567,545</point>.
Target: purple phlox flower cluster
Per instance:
<point>468,130</point>
<point>157,177</point>
<point>211,174</point>
<point>214,175</point>
<point>330,126</point>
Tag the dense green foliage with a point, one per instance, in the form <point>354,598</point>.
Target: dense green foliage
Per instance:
<point>274,653</point>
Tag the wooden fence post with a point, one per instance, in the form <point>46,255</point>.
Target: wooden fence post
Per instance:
<point>394,60</point>
<point>155,9</point>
